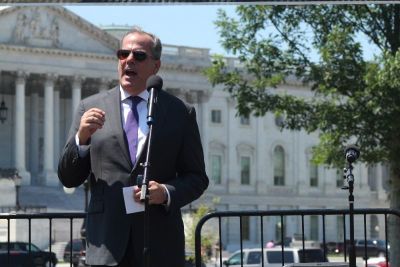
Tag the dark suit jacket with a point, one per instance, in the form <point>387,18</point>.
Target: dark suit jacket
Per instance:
<point>177,161</point>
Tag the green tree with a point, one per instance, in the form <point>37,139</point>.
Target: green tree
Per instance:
<point>355,99</point>
<point>209,234</point>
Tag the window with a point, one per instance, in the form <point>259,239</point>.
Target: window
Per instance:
<point>314,227</point>
<point>245,170</point>
<point>276,257</point>
<point>374,226</point>
<point>280,229</point>
<point>244,120</point>
<point>216,168</point>
<point>254,257</point>
<point>340,227</point>
<point>216,116</point>
<point>339,178</point>
<point>279,166</point>
<point>372,171</point>
<point>235,259</point>
<point>245,227</point>
<point>313,175</point>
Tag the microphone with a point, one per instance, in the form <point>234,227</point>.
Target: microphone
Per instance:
<point>154,81</point>
<point>352,153</point>
<point>153,84</point>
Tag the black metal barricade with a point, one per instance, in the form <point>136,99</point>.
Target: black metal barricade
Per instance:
<point>282,213</point>
<point>51,217</point>
<point>219,215</point>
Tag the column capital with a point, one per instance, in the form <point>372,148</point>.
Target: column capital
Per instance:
<point>77,80</point>
<point>21,76</point>
<point>192,96</point>
<point>50,79</point>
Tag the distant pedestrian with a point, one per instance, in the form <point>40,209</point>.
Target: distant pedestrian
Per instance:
<point>271,244</point>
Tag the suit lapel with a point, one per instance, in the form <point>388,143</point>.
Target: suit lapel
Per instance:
<point>113,107</point>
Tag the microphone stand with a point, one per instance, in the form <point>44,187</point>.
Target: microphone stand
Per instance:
<point>144,194</point>
<point>350,181</point>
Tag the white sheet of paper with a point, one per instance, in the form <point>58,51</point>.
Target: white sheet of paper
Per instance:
<point>131,205</point>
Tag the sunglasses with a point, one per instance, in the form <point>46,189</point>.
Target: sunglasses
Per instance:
<point>137,55</point>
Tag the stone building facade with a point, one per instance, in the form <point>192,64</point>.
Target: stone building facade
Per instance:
<point>51,58</point>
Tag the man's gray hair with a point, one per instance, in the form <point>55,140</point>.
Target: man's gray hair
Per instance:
<point>155,49</point>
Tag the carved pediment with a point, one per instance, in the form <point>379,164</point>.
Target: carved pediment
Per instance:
<point>53,27</point>
<point>36,29</point>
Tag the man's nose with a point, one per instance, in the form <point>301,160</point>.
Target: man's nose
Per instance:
<point>130,58</point>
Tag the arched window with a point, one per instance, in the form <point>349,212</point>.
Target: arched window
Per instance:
<point>216,157</point>
<point>216,168</point>
<point>374,226</point>
<point>279,166</point>
<point>245,170</point>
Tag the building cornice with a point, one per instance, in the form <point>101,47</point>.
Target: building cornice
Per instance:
<point>58,52</point>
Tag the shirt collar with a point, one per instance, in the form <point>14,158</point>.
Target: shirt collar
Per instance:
<point>124,94</point>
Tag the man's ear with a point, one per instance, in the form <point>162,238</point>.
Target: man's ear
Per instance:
<point>157,66</point>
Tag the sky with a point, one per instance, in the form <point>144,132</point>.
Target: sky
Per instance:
<point>187,25</point>
<point>175,24</point>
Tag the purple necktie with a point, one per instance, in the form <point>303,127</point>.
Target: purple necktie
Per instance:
<point>131,128</point>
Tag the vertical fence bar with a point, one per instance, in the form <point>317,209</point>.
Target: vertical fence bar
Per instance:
<point>241,241</point>
<point>302,237</point>
<point>365,241</point>
<point>70,241</point>
<point>50,238</point>
<point>220,240</point>
<point>8,243</point>
<point>323,236</point>
<point>282,241</point>
<point>386,241</point>
<point>262,240</point>
<point>30,236</point>
<point>344,237</point>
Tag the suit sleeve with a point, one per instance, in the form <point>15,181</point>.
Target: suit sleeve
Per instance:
<point>191,180</point>
<point>72,169</point>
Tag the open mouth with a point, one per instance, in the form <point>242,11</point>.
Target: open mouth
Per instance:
<point>130,72</point>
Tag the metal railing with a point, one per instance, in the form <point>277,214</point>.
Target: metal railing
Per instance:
<point>261,215</point>
<point>40,216</point>
<point>283,213</point>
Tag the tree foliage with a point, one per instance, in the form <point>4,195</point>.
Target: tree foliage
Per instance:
<point>354,100</point>
<point>209,235</point>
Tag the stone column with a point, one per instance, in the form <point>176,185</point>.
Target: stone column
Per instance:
<point>20,142</point>
<point>76,94</point>
<point>34,144</point>
<point>56,124</point>
<point>49,173</point>
<point>260,170</point>
<point>233,163</point>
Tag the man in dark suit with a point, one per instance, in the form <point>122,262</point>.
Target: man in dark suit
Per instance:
<point>100,148</point>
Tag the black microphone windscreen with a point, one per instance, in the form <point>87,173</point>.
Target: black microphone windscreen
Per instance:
<point>352,153</point>
<point>154,81</point>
